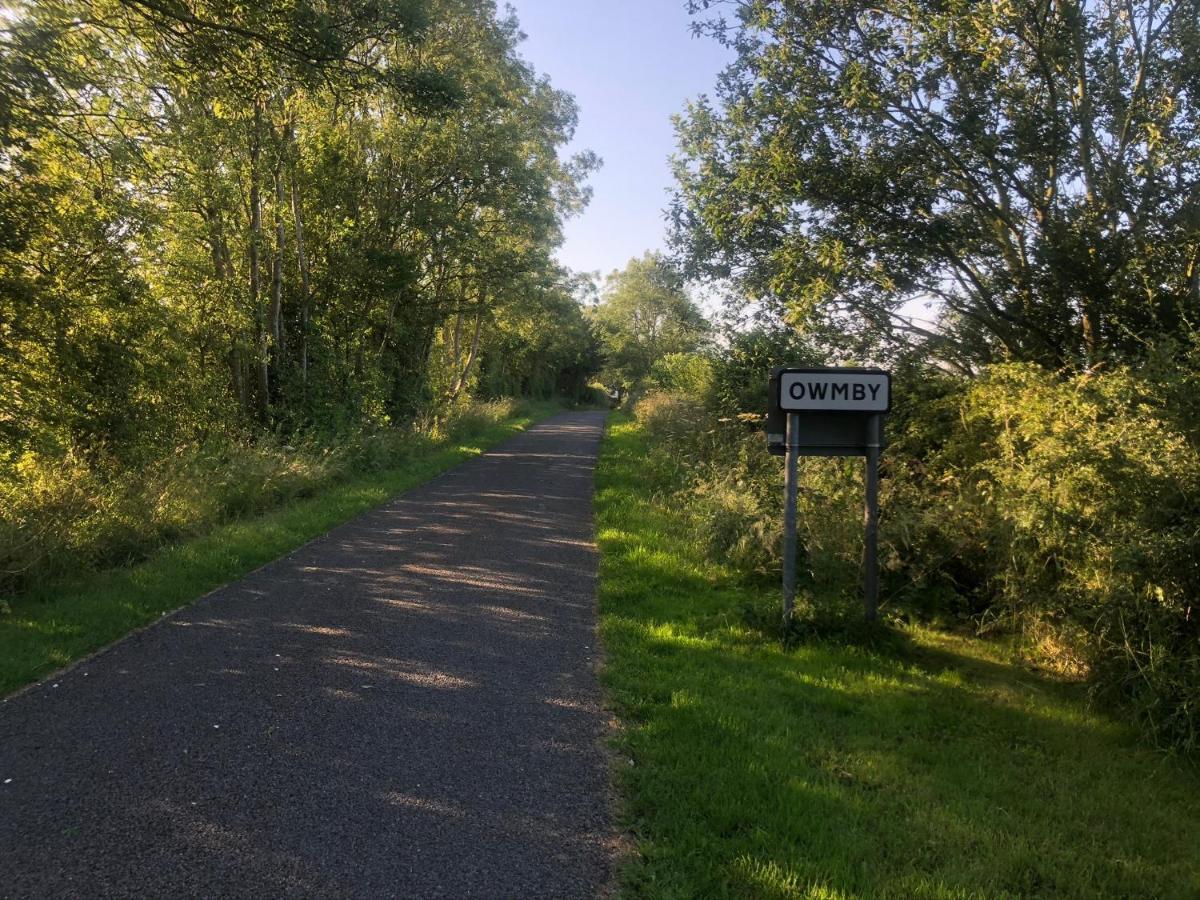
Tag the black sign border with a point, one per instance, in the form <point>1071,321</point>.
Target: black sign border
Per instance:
<point>832,370</point>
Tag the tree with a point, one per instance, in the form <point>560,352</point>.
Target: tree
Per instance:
<point>643,315</point>
<point>541,346</point>
<point>1032,167</point>
<point>220,218</point>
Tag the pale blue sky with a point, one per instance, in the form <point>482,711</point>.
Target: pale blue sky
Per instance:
<point>631,64</point>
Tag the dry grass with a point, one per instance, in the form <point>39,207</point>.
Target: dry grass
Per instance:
<point>66,514</point>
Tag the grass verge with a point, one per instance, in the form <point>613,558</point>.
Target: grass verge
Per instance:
<point>927,767</point>
<point>57,623</point>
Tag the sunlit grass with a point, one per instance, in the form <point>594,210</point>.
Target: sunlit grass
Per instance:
<point>57,623</point>
<point>929,766</point>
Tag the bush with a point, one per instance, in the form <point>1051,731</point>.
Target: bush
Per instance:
<point>672,418</point>
<point>678,424</point>
<point>64,514</point>
<point>736,528</point>
<point>1065,509</point>
<point>689,374</point>
<point>1072,506</point>
<point>467,419</point>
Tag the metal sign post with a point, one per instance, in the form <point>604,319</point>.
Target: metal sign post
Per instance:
<point>829,412</point>
<point>791,495</point>
<point>871,518</point>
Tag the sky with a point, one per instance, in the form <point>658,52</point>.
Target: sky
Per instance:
<point>631,65</point>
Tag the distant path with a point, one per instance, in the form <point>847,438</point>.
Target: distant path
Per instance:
<point>404,707</point>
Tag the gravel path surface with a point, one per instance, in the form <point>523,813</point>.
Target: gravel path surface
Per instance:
<point>404,707</point>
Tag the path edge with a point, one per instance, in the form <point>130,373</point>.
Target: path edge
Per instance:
<point>70,667</point>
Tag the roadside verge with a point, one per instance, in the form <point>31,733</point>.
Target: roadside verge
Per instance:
<point>925,765</point>
<point>61,622</point>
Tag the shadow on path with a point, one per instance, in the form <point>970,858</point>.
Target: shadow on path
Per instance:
<point>405,706</point>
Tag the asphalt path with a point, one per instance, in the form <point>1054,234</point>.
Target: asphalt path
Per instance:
<point>406,706</point>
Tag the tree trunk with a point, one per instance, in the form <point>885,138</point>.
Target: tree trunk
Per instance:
<point>461,381</point>
<point>1193,278</point>
<point>224,273</point>
<point>260,330</point>
<point>302,259</point>
<point>456,345</point>
<point>276,316</point>
<point>1091,337</point>
<point>1089,315</point>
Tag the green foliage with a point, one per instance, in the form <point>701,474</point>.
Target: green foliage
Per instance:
<point>689,374</point>
<point>217,218</point>
<point>244,248</point>
<point>542,347</point>
<point>1029,167</point>
<point>927,765</point>
<point>644,315</point>
<point>1067,506</point>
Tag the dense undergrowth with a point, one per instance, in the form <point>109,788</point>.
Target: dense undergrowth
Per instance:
<point>1061,509</point>
<point>68,514</point>
<point>59,619</point>
<point>907,763</point>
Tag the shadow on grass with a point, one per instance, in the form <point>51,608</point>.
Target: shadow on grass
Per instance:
<point>909,765</point>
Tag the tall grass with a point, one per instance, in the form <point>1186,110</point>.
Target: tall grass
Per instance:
<point>1063,509</point>
<point>66,514</point>
<point>908,764</point>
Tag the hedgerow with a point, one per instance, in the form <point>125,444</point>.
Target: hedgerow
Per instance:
<point>1064,510</point>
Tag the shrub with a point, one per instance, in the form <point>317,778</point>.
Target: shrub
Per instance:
<point>468,418</point>
<point>1066,509</point>
<point>735,527</point>
<point>67,513</point>
<point>672,418</point>
<point>1074,504</point>
<point>689,374</point>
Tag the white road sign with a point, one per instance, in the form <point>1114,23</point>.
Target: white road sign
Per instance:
<point>835,390</point>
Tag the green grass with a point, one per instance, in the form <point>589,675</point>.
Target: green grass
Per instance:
<point>58,623</point>
<point>932,768</point>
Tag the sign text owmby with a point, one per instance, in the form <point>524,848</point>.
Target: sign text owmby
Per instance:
<point>831,390</point>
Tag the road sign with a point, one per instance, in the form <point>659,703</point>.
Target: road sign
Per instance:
<point>828,412</point>
<point>835,390</point>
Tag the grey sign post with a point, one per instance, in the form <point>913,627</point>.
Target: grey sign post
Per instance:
<point>829,412</point>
